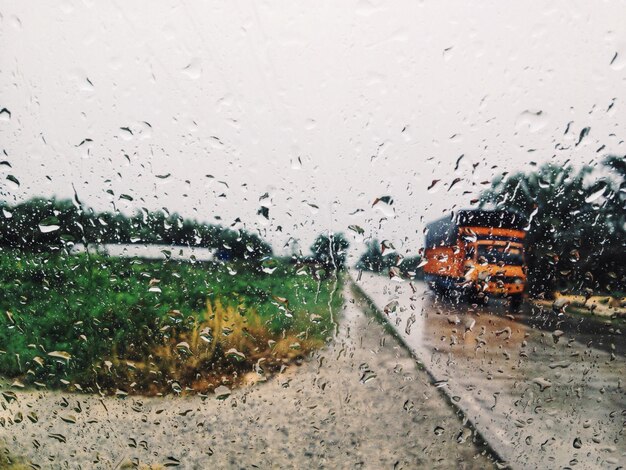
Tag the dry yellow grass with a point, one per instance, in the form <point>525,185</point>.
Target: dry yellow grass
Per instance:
<point>600,305</point>
<point>218,347</point>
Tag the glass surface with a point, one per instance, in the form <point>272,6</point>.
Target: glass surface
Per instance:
<point>357,234</point>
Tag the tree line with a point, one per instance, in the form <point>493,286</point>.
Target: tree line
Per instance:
<point>576,237</point>
<point>374,259</point>
<point>45,225</point>
<point>50,224</point>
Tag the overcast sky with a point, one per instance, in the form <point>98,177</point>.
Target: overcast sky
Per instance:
<point>323,105</point>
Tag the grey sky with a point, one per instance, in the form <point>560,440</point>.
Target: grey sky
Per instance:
<point>330,104</point>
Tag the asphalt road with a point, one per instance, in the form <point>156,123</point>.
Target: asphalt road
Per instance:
<point>545,392</point>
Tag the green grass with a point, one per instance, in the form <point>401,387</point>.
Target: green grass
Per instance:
<point>99,309</point>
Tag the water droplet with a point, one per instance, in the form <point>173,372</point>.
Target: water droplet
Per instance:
<point>222,392</point>
<point>384,199</point>
<point>268,270</point>
<point>387,246</point>
<point>556,334</point>
<point>431,188</point>
<point>48,228</point>
<point>596,194</point>
<point>532,121</point>
<point>183,347</point>
<point>9,396</point>
<point>583,133</point>
<point>264,212</point>
<point>171,462</point>
<point>194,69</point>
<point>71,419</point>
<point>60,355</point>
<point>236,355</point>
<point>58,437</point>
<point>391,307</point>
<point>15,183</point>
<point>543,383</point>
<point>357,229</point>
<point>366,376</point>
<point>17,384</point>
<point>464,435</point>
<point>560,365</point>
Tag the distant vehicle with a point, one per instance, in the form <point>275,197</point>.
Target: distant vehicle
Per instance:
<point>477,253</point>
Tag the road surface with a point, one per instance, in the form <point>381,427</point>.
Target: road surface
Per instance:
<point>543,398</point>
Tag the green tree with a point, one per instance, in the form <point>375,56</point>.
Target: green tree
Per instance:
<point>49,225</point>
<point>374,260</point>
<point>410,266</point>
<point>574,237</point>
<point>330,250</point>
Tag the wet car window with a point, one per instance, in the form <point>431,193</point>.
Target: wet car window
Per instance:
<point>361,234</point>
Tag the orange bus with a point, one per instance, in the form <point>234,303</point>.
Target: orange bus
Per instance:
<point>478,253</point>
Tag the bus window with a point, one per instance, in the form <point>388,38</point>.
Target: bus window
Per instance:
<point>499,254</point>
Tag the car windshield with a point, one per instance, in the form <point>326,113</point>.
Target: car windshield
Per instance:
<point>272,234</point>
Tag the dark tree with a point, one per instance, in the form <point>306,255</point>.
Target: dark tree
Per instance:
<point>330,251</point>
<point>374,260</point>
<point>50,225</point>
<point>575,238</point>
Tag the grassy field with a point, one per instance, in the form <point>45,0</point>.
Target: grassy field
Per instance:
<point>114,325</point>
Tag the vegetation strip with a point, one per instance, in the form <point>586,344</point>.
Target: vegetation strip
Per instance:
<point>116,325</point>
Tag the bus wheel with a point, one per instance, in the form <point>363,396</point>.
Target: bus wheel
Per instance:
<point>516,302</point>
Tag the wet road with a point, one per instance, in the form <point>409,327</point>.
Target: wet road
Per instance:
<point>543,398</point>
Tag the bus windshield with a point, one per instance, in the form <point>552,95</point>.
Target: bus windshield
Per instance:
<point>494,254</point>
